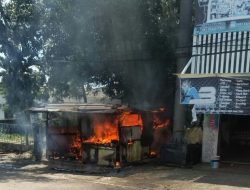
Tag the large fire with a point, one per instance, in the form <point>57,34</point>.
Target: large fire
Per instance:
<point>105,129</point>
<point>122,134</point>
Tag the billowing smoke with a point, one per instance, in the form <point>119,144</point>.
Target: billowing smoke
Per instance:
<point>116,43</point>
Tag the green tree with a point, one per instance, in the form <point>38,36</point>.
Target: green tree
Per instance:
<point>21,45</point>
<point>64,35</point>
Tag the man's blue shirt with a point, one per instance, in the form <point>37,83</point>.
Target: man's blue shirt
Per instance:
<point>191,93</point>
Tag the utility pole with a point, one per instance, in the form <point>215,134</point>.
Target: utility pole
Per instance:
<point>183,56</point>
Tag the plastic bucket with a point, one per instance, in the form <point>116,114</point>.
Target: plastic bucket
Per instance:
<point>215,162</point>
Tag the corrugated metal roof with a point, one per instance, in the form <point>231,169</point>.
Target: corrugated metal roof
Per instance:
<point>79,108</point>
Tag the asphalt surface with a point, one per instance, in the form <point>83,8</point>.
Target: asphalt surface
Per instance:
<point>25,174</point>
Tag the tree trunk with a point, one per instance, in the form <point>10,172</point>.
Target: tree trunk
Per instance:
<point>84,95</point>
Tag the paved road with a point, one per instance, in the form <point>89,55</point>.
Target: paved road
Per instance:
<point>38,177</point>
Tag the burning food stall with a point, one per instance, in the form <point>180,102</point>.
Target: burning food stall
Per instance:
<point>90,133</point>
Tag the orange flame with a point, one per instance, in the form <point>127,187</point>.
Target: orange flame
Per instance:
<point>105,130</point>
<point>127,119</point>
<point>75,147</point>
<point>76,143</point>
<point>162,109</point>
<point>161,132</point>
<point>130,142</point>
<point>153,154</point>
<point>160,123</point>
<point>117,164</point>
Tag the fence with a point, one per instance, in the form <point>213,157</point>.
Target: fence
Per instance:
<point>227,52</point>
<point>15,137</point>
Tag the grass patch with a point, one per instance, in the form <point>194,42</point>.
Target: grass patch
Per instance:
<point>12,138</point>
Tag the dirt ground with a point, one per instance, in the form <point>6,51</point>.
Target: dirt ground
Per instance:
<point>20,172</point>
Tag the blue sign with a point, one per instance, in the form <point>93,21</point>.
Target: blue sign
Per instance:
<point>216,95</point>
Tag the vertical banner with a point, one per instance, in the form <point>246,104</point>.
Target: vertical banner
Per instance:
<point>216,95</point>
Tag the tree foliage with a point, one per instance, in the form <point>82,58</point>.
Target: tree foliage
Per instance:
<point>21,45</point>
<point>126,46</point>
<point>65,48</point>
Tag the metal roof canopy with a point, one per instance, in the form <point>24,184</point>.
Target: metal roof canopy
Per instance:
<point>79,108</point>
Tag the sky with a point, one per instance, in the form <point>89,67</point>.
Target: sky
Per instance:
<point>6,1</point>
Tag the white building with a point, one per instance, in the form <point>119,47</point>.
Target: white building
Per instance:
<point>221,54</point>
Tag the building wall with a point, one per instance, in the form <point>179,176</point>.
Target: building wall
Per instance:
<point>210,137</point>
<point>221,45</point>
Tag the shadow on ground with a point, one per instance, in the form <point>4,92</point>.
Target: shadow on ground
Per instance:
<point>147,173</point>
<point>20,176</point>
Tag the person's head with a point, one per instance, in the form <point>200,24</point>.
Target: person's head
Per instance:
<point>185,86</point>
